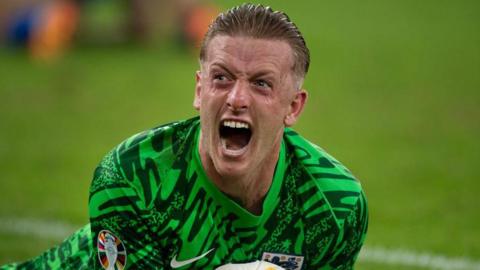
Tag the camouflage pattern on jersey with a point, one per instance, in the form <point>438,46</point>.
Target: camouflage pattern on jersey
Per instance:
<point>153,207</point>
<point>73,253</point>
<point>151,191</point>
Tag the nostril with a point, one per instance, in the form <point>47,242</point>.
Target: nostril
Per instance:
<point>237,102</point>
<point>236,108</point>
<point>238,97</point>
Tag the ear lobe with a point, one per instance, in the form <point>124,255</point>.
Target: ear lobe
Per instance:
<point>198,89</point>
<point>296,108</point>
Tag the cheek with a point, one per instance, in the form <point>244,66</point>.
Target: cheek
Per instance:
<point>213,101</point>
<point>210,109</point>
<point>279,109</point>
<point>273,118</point>
<point>207,99</point>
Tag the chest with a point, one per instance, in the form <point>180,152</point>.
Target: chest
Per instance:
<point>209,235</point>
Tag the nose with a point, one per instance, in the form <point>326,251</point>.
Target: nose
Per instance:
<point>238,97</point>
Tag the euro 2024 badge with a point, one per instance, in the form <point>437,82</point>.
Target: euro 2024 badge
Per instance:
<point>111,251</point>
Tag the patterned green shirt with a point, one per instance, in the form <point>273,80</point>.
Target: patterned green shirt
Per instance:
<point>153,207</point>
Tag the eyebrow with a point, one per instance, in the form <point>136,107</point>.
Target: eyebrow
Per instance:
<point>261,73</point>
<point>222,66</point>
<point>264,74</point>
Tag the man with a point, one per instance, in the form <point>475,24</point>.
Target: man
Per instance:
<point>234,188</point>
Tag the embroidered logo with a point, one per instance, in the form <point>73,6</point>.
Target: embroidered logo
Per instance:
<point>288,262</point>
<point>177,264</point>
<point>111,251</point>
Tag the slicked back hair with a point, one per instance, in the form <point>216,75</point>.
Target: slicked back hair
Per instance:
<point>258,21</point>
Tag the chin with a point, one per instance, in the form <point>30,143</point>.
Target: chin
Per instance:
<point>231,169</point>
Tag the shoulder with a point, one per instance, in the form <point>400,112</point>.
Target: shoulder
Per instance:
<point>332,202</point>
<point>143,160</point>
<point>325,177</point>
<point>163,144</point>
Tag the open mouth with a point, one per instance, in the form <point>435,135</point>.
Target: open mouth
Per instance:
<point>235,135</point>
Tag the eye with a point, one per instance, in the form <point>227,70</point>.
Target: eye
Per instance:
<point>262,84</point>
<point>221,80</point>
<point>220,77</point>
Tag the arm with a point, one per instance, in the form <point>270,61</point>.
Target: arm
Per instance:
<point>351,239</point>
<point>118,215</point>
<point>75,252</point>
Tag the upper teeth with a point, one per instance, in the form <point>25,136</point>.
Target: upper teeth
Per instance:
<point>235,124</point>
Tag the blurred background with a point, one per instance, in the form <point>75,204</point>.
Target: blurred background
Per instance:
<point>394,94</point>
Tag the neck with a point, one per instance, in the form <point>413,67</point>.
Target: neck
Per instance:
<point>247,189</point>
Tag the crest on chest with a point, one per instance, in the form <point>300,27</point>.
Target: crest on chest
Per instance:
<point>288,262</point>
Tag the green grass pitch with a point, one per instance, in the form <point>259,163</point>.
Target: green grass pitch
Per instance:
<point>394,94</point>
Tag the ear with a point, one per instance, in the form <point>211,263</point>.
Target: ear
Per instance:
<point>296,108</point>
<point>198,88</point>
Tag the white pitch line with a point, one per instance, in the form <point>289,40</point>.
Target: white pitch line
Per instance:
<point>404,257</point>
<point>40,228</point>
<point>58,230</point>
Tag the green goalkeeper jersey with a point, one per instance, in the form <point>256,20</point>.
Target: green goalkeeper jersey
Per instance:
<point>153,207</point>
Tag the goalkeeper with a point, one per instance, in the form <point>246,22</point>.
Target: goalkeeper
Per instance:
<point>235,187</point>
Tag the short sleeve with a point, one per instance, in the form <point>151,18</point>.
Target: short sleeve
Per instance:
<point>75,252</point>
<point>352,237</point>
<point>118,218</point>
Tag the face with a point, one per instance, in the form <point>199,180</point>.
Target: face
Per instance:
<point>246,94</point>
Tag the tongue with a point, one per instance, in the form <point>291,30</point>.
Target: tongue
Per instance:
<point>236,141</point>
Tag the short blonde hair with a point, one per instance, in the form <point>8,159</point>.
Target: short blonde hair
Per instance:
<point>258,21</point>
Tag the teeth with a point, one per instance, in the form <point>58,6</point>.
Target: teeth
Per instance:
<point>235,124</point>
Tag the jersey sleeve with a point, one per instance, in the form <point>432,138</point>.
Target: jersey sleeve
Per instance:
<point>75,252</point>
<point>135,201</point>
<point>342,202</point>
<point>351,237</point>
<point>119,220</point>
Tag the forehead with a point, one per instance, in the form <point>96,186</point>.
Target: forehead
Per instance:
<point>248,52</point>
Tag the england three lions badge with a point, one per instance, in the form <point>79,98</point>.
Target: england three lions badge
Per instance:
<point>111,251</point>
<point>288,262</point>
